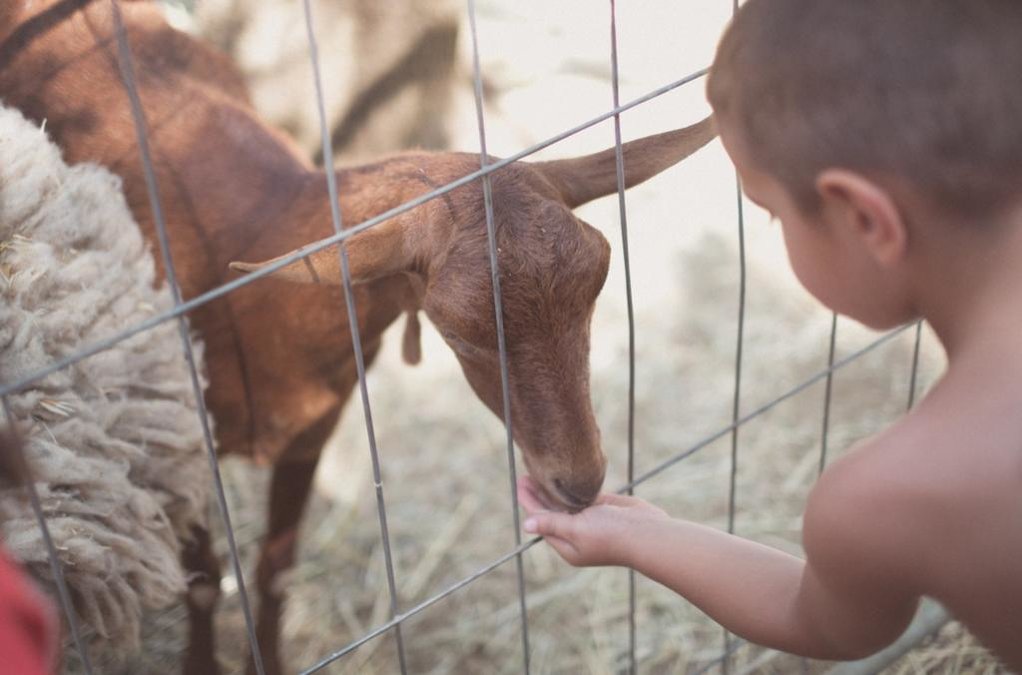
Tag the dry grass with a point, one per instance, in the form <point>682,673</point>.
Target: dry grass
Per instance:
<point>952,651</point>
<point>445,473</point>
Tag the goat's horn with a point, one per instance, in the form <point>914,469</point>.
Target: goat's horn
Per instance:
<point>372,254</point>
<point>315,268</point>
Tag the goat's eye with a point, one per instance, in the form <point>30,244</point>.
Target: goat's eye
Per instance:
<point>455,341</point>
<point>461,346</point>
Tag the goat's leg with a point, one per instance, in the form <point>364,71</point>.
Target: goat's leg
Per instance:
<point>289,493</point>
<point>203,572</point>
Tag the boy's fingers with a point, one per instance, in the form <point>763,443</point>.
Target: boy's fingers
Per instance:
<point>550,524</point>
<point>615,499</point>
<point>564,548</point>
<point>547,525</point>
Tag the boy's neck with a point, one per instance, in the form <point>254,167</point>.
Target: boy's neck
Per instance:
<point>970,285</point>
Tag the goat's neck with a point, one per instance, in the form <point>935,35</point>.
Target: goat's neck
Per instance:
<point>370,190</point>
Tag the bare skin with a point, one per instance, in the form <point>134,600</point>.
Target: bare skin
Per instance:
<point>932,506</point>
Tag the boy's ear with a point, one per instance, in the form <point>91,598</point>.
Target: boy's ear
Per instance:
<point>867,211</point>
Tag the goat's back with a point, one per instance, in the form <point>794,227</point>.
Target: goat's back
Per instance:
<point>278,356</point>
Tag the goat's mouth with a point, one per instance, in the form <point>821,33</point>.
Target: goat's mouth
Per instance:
<point>546,497</point>
<point>553,499</point>
<point>552,493</point>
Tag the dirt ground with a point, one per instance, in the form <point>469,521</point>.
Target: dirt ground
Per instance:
<point>445,474</point>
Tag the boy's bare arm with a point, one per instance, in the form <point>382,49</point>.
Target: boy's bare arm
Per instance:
<point>842,603</point>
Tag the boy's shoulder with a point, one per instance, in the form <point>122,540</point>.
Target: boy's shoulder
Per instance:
<point>869,512</point>
<point>962,437</point>
<point>900,497</point>
<point>921,468</point>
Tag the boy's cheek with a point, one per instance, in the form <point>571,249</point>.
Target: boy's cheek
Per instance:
<point>809,270</point>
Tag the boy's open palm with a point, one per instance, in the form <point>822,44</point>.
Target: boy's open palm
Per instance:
<point>597,535</point>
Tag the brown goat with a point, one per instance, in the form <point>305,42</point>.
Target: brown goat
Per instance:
<point>279,355</point>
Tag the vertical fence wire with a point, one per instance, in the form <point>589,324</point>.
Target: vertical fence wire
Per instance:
<point>620,165</point>
<point>825,431</point>
<point>349,299</point>
<point>825,434</point>
<point>56,568</point>
<point>126,66</point>
<point>736,404</point>
<point>913,378</point>
<point>498,309</point>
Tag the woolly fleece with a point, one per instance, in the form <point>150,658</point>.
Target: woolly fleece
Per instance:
<point>114,442</point>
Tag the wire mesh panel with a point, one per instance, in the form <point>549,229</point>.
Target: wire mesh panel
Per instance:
<point>399,613</point>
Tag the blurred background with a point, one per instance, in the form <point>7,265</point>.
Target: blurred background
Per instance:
<point>398,75</point>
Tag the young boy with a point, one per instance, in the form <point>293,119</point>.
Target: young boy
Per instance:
<point>886,136</point>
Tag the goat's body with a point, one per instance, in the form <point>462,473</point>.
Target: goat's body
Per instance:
<point>279,362</point>
<point>225,182</point>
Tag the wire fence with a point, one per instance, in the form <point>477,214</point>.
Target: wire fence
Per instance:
<point>399,616</point>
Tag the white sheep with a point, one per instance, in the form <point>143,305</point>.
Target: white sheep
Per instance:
<point>114,442</point>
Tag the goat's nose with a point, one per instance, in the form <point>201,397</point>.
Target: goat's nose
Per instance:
<point>577,494</point>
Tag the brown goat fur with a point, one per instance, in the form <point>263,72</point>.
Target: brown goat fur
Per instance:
<point>279,354</point>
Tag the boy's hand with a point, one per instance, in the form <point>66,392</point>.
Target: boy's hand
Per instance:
<point>598,535</point>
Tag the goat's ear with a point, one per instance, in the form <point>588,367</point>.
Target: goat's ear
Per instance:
<point>377,252</point>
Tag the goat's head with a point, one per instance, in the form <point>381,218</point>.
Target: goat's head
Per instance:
<point>552,267</point>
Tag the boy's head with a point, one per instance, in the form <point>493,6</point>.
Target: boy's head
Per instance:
<point>924,91</point>
<point>853,108</point>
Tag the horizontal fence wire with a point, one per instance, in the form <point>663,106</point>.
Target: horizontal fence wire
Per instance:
<point>306,251</point>
<point>356,338</point>
<point>766,407</point>
<point>652,473</point>
<point>127,69</point>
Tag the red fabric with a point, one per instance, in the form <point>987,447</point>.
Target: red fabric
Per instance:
<point>28,625</point>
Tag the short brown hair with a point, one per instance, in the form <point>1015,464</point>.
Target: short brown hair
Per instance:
<point>925,92</point>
